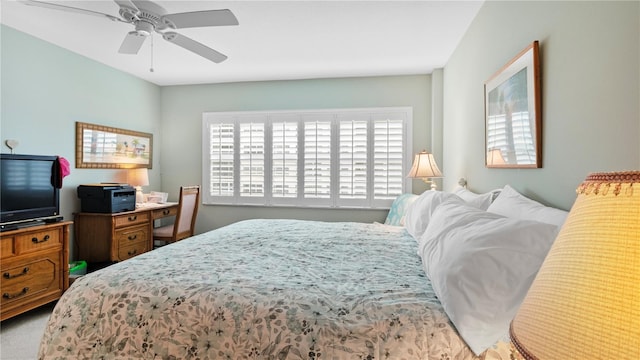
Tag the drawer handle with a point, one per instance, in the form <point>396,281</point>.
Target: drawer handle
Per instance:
<point>7,275</point>
<point>36,241</point>
<point>133,252</point>
<point>166,212</point>
<point>9,296</point>
<point>132,237</point>
<point>133,218</point>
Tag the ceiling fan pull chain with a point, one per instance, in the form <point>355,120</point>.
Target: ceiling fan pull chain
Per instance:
<point>151,68</point>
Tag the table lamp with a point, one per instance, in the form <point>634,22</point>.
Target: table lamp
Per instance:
<point>425,168</point>
<point>138,178</point>
<point>585,300</point>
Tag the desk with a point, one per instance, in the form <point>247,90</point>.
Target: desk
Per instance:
<point>118,236</point>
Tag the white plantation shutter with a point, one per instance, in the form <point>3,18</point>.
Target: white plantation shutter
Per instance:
<point>252,158</point>
<point>321,158</point>
<point>388,157</point>
<point>353,154</point>
<point>317,159</point>
<point>284,168</point>
<point>221,153</point>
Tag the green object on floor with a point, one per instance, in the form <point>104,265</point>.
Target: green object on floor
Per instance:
<point>78,268</point>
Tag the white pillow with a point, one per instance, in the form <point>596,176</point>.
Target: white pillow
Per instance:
<point>481,266</point>
<point>511,203</point>
<point>419,212</point>
<point>481,201</point>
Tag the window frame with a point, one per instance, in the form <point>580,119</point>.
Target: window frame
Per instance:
<point>405,114</point>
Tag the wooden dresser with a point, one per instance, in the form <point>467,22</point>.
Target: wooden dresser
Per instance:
<point>35,267</point>
<point>118,236</point>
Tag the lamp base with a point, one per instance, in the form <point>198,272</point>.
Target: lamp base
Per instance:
<point>139,195</point>
<point>433,183</point>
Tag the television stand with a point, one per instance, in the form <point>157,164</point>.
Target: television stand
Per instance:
<point>35,266</point>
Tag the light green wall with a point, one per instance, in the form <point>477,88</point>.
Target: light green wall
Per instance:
<point>590,59</point>
<point>182,108</point>
<point>46,89</point>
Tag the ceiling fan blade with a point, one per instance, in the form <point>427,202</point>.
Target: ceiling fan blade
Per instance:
<point>194,46</point>
<point>127,4</point>
<point>200,18</point>
<point>132,43</point>
<point>69,9</point>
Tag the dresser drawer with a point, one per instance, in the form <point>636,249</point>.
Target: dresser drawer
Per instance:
<point>31,277</point>
<point>38,240</point>
<point>133,234</point>
<point>160,213</point>
<point>131,219</point>
<point>127,252</point>
<point>132,241</point>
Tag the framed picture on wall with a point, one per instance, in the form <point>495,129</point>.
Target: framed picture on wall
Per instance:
<point>103,147</point>
<point>513,113</point>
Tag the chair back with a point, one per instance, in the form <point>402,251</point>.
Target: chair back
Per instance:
<point>187,211</point>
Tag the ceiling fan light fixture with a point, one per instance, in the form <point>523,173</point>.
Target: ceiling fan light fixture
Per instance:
<point>144,28</point>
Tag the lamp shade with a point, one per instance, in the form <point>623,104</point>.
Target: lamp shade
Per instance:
<point>494,157</point>
<point>424,166</point>
<point>138,177</point>
<point>585,300</point>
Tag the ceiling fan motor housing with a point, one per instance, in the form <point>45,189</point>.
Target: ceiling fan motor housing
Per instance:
<point>146,20</point>
<point>144,28</point>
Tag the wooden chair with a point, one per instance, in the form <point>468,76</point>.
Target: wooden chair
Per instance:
<point>185,222</point>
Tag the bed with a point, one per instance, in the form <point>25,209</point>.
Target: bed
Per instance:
<point>266,289</point>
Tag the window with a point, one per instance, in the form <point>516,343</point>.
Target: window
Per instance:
<point>315,158</point>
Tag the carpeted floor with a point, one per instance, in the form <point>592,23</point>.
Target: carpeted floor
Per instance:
<point>20,335</point>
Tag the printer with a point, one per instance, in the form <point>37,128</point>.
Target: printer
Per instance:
<point>107,197</point>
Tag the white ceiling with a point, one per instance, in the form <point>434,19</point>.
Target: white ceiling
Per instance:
<point>276,40</point>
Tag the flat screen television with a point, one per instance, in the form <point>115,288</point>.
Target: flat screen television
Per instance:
<point>28,191</point>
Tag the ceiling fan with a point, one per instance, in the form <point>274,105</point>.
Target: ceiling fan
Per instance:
<point>149,17</point>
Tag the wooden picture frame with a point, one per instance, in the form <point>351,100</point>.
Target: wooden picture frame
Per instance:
<point>513,113</point>
<point>103,147</point>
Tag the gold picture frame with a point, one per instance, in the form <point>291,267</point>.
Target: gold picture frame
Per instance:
<point>513,113</point>
<point>104,147</point>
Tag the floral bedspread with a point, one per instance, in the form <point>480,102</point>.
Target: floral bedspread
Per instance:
<point>261,289</point>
